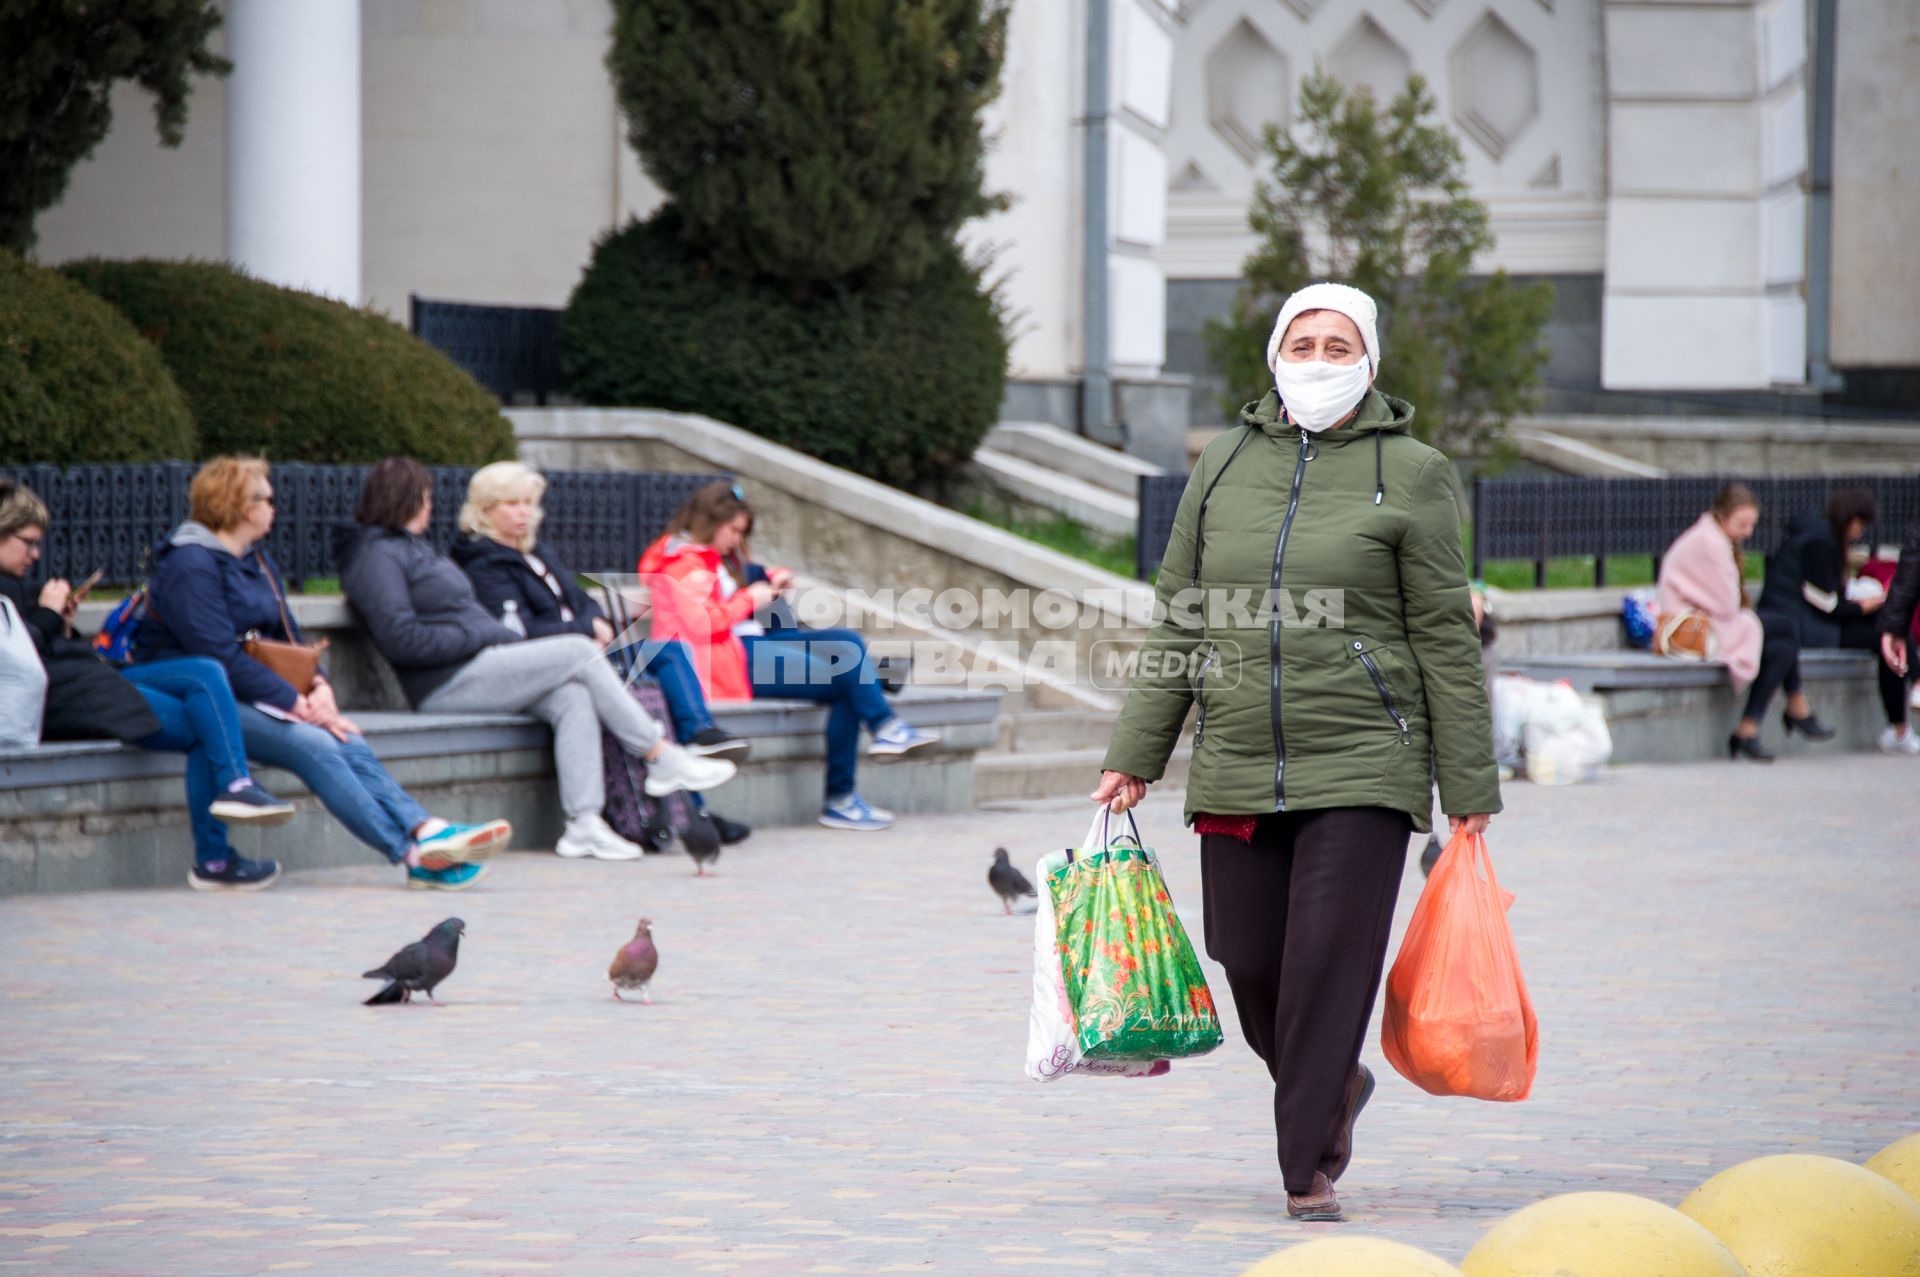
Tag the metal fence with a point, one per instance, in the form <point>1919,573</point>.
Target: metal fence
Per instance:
<point>514,351</point>
<point>110,516</point>
<point>1564,517</point>
<point>1543,519</point>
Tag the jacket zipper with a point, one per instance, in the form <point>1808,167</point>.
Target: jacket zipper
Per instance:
<point>1386,697</point>
<point>1200,698</point>
<point>1273,627</point>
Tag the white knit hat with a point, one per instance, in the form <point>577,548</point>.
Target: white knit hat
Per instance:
<point>1341,298</point>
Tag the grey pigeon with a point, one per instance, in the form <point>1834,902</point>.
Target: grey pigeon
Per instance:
<point>702,842</point>
<point>1007,882</point>
<point>420,966</point>
<point>636,962</point>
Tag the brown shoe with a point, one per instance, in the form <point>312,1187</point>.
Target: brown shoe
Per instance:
<point>1319,1204</point>
<point>1359,1091</point>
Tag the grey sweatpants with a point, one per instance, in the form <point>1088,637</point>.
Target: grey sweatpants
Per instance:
<point>566,681</point>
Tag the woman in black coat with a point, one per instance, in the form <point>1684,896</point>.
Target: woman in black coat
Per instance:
<point>1804,604</point>
<point>500,550</point>
<point>184,706</point>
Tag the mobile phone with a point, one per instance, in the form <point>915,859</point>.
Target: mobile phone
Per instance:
<point>80,591</point>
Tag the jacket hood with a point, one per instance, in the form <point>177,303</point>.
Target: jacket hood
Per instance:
<point>192,533</point>
<point>672,545</point>
<point>469,547</point>
<point>1379,414</point>
<point>1807,522</point>
<point>348,540</point>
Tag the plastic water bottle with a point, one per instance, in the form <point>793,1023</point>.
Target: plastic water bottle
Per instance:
<point>511,618</point>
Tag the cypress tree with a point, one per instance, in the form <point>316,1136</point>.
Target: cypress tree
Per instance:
<point>59,61</point>
<point>813,141</point>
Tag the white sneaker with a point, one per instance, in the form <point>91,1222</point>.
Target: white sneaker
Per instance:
<point>1895,740</point>
<point>676,769</point>
<point>590,835</point>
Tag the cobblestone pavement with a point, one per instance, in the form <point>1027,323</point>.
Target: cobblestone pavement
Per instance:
<point>1725,962</point>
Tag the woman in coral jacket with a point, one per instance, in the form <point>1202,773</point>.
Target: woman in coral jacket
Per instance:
<point>708,594</point>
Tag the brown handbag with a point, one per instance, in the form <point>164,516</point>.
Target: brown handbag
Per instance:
<point>297,663</point>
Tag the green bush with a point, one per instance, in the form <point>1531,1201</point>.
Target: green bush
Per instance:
<point>894,383</point>
<point>77,384</point>
<point>296,377</point>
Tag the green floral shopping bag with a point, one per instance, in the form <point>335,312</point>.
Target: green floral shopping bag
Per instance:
<point>1132,977</point>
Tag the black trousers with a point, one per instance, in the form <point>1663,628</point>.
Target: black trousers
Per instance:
<point>1780,668</point>
<point>1300,918</point>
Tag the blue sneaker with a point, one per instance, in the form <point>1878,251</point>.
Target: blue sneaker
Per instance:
<point>458,844</point>
<point>455,878</point>
<point>894,738</point>
<point>235,873</point>
<point>851,811</point>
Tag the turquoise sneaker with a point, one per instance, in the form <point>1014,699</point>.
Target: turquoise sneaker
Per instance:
<point>458,844</point>
<point>456,878</point>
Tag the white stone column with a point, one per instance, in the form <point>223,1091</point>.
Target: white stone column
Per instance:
<point>293,143</point>
<point>1706,240</point>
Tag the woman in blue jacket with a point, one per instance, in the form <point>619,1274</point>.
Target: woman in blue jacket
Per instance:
<point>213,587</point>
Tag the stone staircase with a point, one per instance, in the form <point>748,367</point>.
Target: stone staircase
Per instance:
<point>1040,469</point>
<point>1052,754</point>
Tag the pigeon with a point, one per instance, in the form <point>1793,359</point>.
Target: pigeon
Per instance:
<point>1006,881</point>
<point>702,841</point>
<point>636,962</point>
<point>420,966</point>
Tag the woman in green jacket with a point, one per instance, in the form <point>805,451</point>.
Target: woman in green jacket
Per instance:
<point>1313,607</point>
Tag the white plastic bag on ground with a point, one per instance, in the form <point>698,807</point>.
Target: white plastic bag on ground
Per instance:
<point>1052,1049</point>
<point>1566,737</point>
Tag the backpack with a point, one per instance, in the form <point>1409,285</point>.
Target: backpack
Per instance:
<point>653,823</point>
<point>114,642</point>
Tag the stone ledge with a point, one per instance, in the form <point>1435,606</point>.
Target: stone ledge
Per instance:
<point>96,814</point>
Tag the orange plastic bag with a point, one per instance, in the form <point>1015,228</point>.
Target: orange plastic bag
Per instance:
<point>1458,1020</point>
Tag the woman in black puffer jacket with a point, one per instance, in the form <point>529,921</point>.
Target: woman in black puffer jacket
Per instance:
<point>1804,604</point>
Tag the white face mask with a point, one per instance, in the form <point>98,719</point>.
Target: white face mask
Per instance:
<point>1318,394</point>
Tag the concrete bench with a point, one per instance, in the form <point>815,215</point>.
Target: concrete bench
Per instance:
<point>1662,710</point>
<point>91,814</point>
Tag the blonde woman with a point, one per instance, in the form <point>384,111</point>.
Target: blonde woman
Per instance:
<point>501,552</point>
<point>453,657</point>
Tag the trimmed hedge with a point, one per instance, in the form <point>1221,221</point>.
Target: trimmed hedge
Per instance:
<point>77,384</point>
<point>897,384</point>
<point>297,377</point>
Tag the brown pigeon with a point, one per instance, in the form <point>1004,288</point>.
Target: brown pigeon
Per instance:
<point>1007,882</point>
<point>420,966</point>
<point>636,962</point>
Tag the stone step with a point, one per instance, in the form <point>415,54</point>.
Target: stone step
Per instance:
<point>1027,732</point>
<point>1007,777</point>
<point>1197,440</point>
<point>1069,454</point>
<point>1039,488</point>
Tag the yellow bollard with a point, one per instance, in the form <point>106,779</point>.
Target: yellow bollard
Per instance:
<point>1351,1257</point>
<point>1599,1235</point>
<point>1900,1162</point>
<point>1797,1215</point>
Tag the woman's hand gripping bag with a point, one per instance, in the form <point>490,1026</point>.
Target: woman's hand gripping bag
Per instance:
<point>1458,1020</point>
<point>1131,975</point>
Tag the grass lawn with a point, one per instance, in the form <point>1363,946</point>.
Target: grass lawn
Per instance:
<point>1068,536</point>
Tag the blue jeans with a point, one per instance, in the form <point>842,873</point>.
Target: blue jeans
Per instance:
<point>828,666</point>
<point>344,775</point>
<point>671,666</point>
<point>194,703</point>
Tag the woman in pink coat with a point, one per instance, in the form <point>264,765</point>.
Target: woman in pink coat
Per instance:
<point>1703,572</point>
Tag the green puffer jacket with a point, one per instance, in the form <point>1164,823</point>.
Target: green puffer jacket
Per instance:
<point>1330,644</point>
